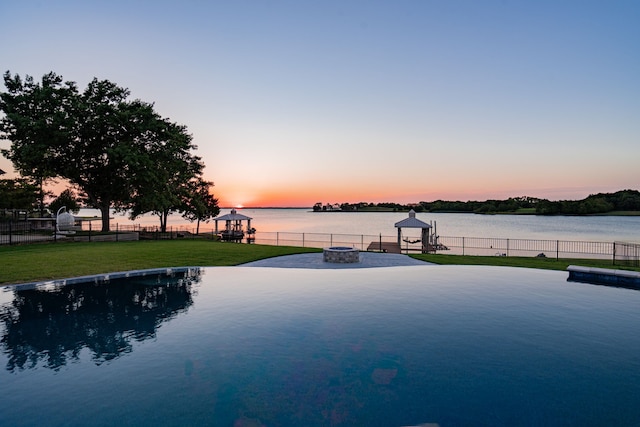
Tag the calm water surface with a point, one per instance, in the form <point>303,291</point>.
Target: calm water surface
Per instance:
<point>588,228</point>
<point>456,346</point>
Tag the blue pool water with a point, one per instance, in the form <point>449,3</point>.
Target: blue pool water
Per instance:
<point>241,346</point>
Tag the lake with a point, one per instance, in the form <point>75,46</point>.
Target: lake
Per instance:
<point>578,228</point>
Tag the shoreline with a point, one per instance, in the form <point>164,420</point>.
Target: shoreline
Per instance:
<point>613,213</point>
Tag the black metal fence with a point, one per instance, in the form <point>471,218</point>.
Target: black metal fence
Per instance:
<point>527,247</point>
<point>621,253</point>
<point>172,232</point>
<point>20,232</point>
<point>626,254</point>
<point>25,232</point>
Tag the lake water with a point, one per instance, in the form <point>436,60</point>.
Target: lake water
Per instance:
<point>579,228</point>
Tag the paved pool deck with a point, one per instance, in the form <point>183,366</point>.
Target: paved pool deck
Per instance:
<point>315,260</point>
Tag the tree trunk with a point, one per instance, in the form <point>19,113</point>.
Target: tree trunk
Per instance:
<point>104,211</point>
<point>41,197</point>
<point>163,221</point>
<point>198,227</point>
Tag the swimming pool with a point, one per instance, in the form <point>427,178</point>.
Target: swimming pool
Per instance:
<point>251,346</point>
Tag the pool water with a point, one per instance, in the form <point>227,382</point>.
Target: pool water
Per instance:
<point>250,346</point>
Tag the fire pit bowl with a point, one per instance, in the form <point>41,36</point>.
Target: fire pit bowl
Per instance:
<point>341,254</point>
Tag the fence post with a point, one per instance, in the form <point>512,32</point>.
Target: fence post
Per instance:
<point>463,246</point>
<point>507,247</point>
<point>117,230</point>
<point>89,230</point>
<point>557,249</point>
<point>10,233</point>
<point>614,253</point>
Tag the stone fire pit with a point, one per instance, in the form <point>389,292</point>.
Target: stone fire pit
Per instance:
<point>341,254</point>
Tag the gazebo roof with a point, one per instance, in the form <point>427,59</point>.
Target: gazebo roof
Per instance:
<point>233,216</point>
<point>412,222</point>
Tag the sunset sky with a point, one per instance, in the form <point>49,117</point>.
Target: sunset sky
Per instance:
<point>297,102</point>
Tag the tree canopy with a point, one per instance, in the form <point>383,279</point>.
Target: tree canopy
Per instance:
<point>601,203</point>
<point>66,199</point>
<point>200,205</point>
<point>18,194</point>
<point>118,153</point>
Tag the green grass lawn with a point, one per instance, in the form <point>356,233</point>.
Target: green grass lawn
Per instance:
<point>39,262</point>
<point>36,262</point>
<point>527,262</point>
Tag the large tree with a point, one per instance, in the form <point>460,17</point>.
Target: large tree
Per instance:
<point>18,194</point>
<point>171,169</point>
<point>36,119</point>
<point>117,152</point>
<point>200,204</point>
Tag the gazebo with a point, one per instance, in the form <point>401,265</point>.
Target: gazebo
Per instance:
<point>233,230</point>
<point>413,222</point>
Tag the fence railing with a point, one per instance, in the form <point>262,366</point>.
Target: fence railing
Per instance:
<point>19,232</point>
<point>527,247</point>
<point>621,253</point>
<point>24,232</point>
<point>626,254</point>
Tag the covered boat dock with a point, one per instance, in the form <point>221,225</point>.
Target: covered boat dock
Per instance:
<point>234,230</point>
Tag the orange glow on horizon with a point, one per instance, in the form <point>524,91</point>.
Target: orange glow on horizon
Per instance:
<point>305,194</point>
<point>308,197</point>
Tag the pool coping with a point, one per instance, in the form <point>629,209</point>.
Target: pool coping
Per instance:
<point>102,278</point>
<point>604,276</point>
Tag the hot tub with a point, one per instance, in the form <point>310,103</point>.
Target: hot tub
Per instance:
<point>341,254</point>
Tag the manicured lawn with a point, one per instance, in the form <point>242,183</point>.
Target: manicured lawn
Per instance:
<point>38,262</point>
<point>27,263</point>
<point>528,262</point>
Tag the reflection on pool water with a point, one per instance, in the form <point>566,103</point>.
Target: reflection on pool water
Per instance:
<point>241,346</point>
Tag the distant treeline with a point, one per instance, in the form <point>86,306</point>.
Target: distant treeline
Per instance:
<point>602,203</point>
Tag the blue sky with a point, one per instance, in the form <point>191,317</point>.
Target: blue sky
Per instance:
<point>291,103</point>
